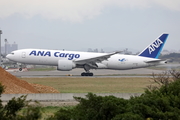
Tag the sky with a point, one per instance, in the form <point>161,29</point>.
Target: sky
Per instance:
<point>83,24</point>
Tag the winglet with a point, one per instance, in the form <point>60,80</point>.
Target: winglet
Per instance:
<point>155,48</point>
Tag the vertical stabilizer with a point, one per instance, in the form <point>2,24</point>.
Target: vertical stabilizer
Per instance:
<point>154,49</point>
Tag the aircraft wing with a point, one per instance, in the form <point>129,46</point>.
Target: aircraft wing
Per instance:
<point>94,60</point>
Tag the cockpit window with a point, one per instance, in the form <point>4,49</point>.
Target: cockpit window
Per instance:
<point>12,53</point>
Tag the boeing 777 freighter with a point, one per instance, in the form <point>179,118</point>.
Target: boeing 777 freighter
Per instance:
<point>68,60</point>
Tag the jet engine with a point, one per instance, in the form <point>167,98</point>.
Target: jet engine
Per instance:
<point>65,65</point>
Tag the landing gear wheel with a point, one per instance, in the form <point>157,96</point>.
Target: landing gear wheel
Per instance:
<point>83,74</point>
<point>86,74</point>
<point>20,69</point>
<point>90,74</point>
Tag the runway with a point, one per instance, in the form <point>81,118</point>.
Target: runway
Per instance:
<point>97,73</point>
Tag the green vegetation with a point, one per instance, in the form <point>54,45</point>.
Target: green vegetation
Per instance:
<point>157,103</point>
<point>46,112</point>
<point>95,85</point>
<point>49,110</point>
<point>160,101</point>
<point>11,111</point>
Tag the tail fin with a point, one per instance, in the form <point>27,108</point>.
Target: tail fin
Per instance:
<point>154,49</point>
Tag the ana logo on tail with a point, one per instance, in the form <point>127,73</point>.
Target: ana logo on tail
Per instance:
<point>154,49</point>
<point>155,45</point>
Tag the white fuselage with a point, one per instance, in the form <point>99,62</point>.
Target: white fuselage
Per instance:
<point>51,57</point>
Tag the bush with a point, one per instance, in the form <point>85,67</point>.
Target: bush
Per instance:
<point>97,107</point>
<point>11,110</point>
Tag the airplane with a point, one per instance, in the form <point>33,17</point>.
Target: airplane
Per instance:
<point>68,60</point>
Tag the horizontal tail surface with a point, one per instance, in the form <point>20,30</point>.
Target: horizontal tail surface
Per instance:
<point>154,49</point>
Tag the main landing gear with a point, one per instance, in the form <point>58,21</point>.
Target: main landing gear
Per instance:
<point>87,73</point>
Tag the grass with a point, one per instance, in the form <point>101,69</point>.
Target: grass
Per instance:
<point>94,85</point>
<point>46,111</point>
<point>49,111</point>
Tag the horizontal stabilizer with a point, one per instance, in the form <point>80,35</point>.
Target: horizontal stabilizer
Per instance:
<point>153,61</point>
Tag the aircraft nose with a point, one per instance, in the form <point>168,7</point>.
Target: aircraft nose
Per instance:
<point>8,56</point>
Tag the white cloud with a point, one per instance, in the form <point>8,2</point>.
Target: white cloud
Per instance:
<point>74,10</point>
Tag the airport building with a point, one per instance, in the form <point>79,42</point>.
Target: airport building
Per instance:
<point>8,48</point>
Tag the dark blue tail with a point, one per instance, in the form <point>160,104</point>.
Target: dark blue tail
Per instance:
<point>154,49</point>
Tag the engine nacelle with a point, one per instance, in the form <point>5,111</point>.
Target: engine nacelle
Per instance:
<point>65,65</point>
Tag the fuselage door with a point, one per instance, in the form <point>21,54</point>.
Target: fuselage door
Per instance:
<point>23,54</point>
